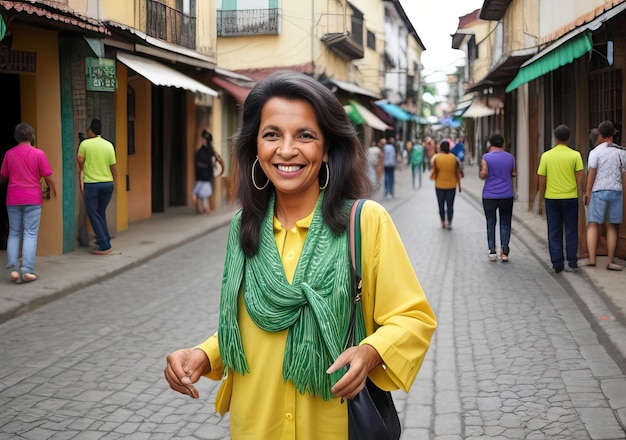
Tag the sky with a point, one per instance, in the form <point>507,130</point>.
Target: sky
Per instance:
<point>434,21</point>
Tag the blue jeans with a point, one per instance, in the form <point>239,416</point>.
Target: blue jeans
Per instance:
<point>389,180</point>
<point>416,169</point>
<point>505,212</point>
<point>562,215</point>
<point>445,199</point>
<point>97,198</point>
<point>23,226</point>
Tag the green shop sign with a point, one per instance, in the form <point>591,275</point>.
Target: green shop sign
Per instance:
<point>101,75</point>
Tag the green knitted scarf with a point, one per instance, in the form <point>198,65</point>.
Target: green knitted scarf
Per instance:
<point>315,308</point>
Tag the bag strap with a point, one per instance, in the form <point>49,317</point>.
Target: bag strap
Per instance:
<point>354,234</point>
<point>355,237</point>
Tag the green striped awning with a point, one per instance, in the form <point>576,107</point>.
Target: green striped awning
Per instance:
<point>560,56</point>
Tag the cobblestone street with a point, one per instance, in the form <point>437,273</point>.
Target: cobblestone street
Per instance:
<point>514,356</point>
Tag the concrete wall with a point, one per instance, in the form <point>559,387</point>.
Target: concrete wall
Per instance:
<point>121,151</point>
<point>293,46</point>
<point>368,75</point>
<point>140,163</point>
<point>40,103</point>
<point>521,25</point>
<point>303,23</point>
<point>485,40</point>
<point>555,19</point>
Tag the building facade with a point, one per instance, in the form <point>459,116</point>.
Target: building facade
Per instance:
<point>141,67</point>
<point>158,72</point>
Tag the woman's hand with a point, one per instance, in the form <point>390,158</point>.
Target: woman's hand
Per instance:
<point>184,368</point>
<point>362,360</point>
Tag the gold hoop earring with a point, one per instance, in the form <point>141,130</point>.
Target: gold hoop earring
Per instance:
<point>260,188</point>
<point>323,187</point>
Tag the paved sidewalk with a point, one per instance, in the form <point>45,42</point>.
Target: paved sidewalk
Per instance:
<point>61,275</point>
<point>610,284</point>
<point>143,240</point>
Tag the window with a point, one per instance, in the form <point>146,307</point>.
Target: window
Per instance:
<point>248,17</point>
<point>357,26</point>
<point>130,128</point>
<point>371,40</point>
<point>605,99</point>
<point>175,25</point>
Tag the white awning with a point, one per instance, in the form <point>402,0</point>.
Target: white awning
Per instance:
<point>161,75</point>
<point>478,110</point>
<point>369,118</point>
<point>353,88</point>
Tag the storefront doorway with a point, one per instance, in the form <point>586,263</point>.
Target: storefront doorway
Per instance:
<point>12,116</point>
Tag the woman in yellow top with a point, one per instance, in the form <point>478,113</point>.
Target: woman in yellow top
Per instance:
<point>447,171</point>
<point>287,284</point>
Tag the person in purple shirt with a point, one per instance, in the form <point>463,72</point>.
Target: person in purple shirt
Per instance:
<point>497,169</point>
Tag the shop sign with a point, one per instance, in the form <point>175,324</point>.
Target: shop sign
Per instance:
<point>101,74</point>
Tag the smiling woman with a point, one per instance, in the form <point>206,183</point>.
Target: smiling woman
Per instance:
<point>287,287</point>
<point>291,151</point>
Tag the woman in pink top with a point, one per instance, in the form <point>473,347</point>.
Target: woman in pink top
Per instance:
<point>23,167</point>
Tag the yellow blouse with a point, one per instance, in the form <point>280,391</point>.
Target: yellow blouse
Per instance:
<point>447,169</point>
<point>265,407</point>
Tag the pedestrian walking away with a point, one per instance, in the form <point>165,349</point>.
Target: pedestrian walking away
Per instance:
<point>287,287</point>
<point>560,189</point>
<point>416,158</point>
<point>446,172</point>
<point>390,158</point>
<point>497,168</point>
<point>375,160</point>
<point>430,147</point>
<point>206,162</point>
<point>23,167</point>
<point>604,193</point>
<point>97,168</point>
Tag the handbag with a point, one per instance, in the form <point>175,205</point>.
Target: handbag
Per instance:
<point>45,189</point>
<point>372,414</point>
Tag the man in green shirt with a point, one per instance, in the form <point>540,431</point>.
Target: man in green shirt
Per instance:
<point>416,158</point>
<point>561,174</point>
<point>96,165</point>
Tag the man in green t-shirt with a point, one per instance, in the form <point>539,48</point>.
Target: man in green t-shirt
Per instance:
<point>416,159</point>
<point>561,174</point>
<point>96,167</point>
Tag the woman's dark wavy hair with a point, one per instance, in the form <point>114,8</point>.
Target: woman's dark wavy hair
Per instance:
<point>347,159</point>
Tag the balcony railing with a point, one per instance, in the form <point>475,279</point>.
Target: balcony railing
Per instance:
<point>248,22</point>
<point>170,24</point>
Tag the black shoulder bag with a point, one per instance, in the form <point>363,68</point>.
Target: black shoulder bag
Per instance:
<point>371,414</point>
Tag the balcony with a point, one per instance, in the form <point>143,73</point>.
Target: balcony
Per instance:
<point>171,25</point>
<point>343,45</point>
<point>234,23</point>
<point>348,45</point>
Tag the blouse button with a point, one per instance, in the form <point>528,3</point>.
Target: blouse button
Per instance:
<point>290,255</point>
<point>289,416</point>
<point>294,229</point>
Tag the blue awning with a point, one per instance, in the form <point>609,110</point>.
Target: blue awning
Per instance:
<point>396,111</point>
<point>420,119</point>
